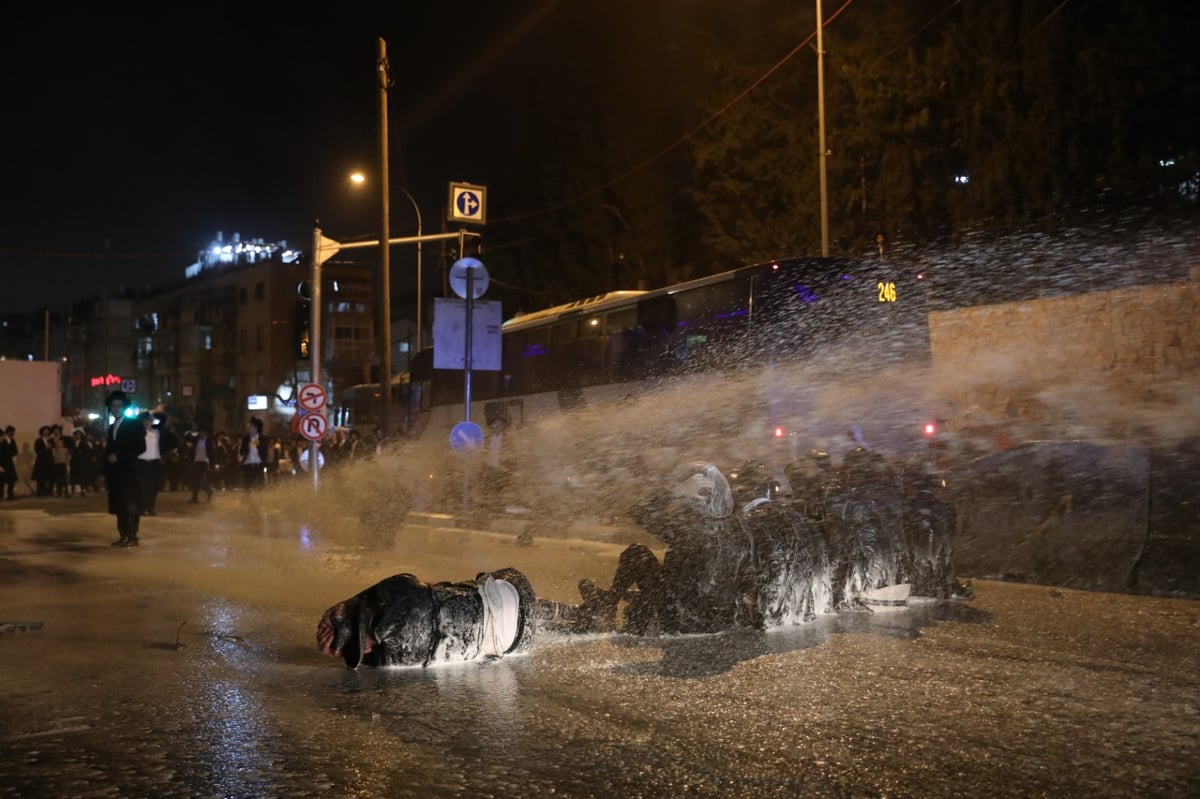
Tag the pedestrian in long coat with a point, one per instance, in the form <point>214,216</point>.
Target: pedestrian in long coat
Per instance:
<point>126,440</point>
<point>43,463</point>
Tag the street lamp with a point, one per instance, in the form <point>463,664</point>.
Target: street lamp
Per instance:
<point>359,179</point>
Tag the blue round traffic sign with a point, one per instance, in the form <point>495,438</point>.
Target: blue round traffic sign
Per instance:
<point>466,437</point>
<point>468,204</point>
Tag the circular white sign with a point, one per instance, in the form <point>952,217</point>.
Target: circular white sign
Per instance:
<point>314,426</point>
<point>304,460</point>
<point>479,277</point>
<point>311,397</point>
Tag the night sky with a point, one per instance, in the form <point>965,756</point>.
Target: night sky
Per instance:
<point>130,140</point>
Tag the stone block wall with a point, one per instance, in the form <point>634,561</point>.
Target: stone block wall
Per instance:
<point>1115,364</point>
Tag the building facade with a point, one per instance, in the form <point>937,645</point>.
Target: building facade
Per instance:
<point>227,341</point>
<point>231,340</point>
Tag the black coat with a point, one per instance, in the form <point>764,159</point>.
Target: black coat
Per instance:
<point>8,457</point>
<point>129,441</point>
<point>244,449</point>
<point>43,463</point>
<point>404,621</point>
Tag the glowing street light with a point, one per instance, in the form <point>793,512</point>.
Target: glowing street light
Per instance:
<point>359,179</point>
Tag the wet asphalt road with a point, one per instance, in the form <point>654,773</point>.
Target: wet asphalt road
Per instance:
<point>187,668</point>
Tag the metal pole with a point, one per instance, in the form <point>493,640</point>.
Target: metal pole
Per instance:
<point>470,298</point>
<point>470,309</point>
<point>314,345</point>
<point>385,293</point>
<point>417,211</point>
<point>821,128</point>
<point>420,296</point>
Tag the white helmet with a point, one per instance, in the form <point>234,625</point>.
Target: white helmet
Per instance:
<point>704,486</point>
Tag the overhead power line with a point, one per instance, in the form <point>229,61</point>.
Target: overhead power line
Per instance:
<point>683,137</point>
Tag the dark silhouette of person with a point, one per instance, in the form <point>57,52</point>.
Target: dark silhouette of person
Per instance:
<point>405,621</point>
<point>739,557</point>
<point>203,457</point>
<point>8,462</point>
<point>253,455</point>
<point>126,440</point>
<point>149,465</point>
<point>43,462</point>
<point>706,581</point>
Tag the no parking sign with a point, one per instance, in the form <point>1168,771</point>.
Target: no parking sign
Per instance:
<point>314,426</point>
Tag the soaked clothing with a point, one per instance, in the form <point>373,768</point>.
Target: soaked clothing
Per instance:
<point>773,562</point>
<point>706,580</point>
<point>404,621</point>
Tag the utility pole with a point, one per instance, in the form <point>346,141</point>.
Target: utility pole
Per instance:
<point>821,128</point>
<point>314,346</point>
<point>385,293</point>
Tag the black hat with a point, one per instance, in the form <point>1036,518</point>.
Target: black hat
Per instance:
<point>116,395</point>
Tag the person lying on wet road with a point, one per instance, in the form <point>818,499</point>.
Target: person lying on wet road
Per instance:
<point>404,621</point>
<point>740,556</point>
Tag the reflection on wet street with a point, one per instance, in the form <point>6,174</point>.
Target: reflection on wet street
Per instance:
<point>188,667</point>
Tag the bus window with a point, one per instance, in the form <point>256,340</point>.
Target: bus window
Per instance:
<point>535,342</point>
<point>562,332</point>
<point>619,320</point>
<point>711,319</point>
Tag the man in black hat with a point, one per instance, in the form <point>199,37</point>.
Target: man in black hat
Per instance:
<point>126,440</point>
<point>8,462</point>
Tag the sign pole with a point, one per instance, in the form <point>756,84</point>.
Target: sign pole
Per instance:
<point>470,299</point>
<point>314,342</point>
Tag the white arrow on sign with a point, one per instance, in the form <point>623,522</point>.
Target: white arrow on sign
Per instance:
<point>468,203</point>
<point>314,426</point>
<point>311,397</point>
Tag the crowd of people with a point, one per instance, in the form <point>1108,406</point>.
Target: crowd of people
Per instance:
<point>59,464</point>
<point>143,456</point>
<point>67,460</point>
